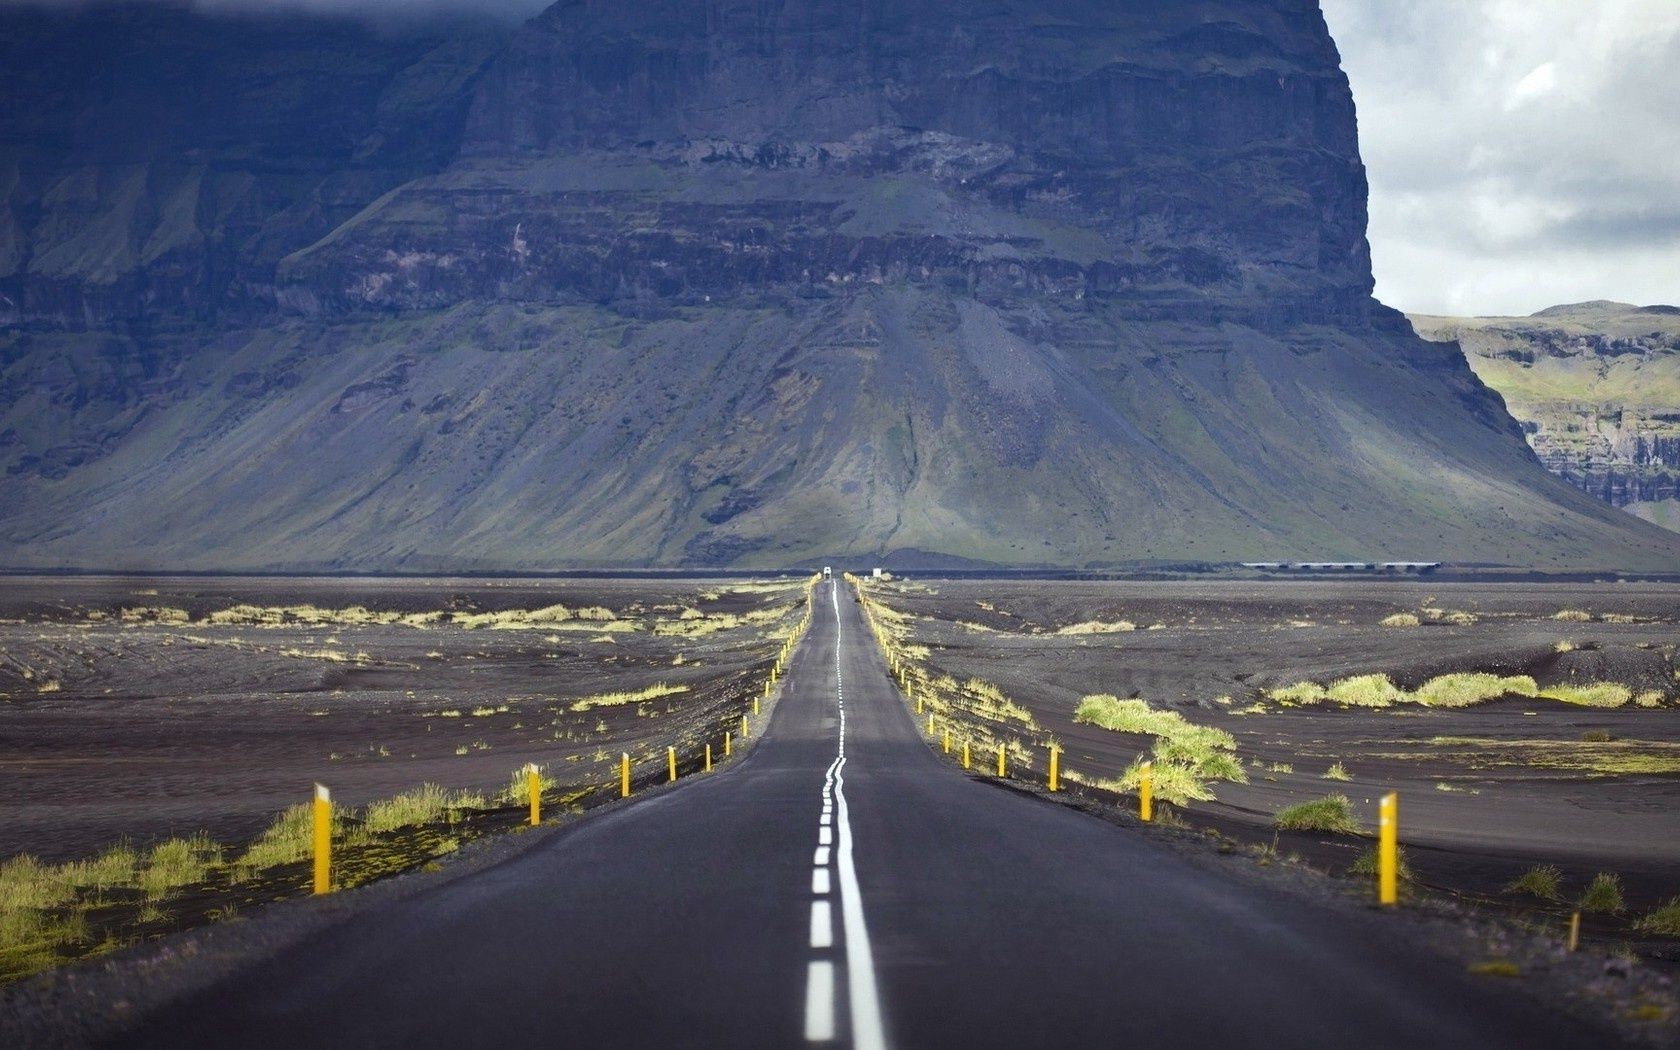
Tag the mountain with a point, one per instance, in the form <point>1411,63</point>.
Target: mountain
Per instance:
<point>727,282</point>
<point>1597,389</point>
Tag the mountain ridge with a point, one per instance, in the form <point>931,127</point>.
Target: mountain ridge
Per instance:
<point>731,283</point>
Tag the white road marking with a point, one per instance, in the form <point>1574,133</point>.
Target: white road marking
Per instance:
<point>819,880</point>
<point>821,858</point>
<point>825,836</point>
<point>868,1032</point>
<point>827,818</point>
<point>819,1001</point>
<point>822,925</point>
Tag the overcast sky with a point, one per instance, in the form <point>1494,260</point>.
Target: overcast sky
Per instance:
<point>1522,153</point>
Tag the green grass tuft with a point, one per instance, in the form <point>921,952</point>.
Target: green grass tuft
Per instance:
<point>1603,894</point>
<point>1332,813</point>
<point>1366,864</point>
<point>1664,920</point>
<point>1543,880</point>
<point>1337,771</point>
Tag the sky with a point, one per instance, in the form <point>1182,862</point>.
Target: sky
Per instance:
<point>1521,153</point>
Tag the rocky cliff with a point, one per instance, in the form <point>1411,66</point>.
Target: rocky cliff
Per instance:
<point>1597,389</point>
<point>1016,282</point>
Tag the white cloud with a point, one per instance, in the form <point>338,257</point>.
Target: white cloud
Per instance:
<point>1521,152</point>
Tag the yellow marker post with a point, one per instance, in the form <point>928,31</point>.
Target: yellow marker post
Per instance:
<point>323,839</point>
<point>1001,767</point>
<point>1146,792</point>
<point>919,703</point>
<point>947,740</point>
<point>1574,930</point>
<point>755,703</point>
<point>1055,768</point>
<point>726,743</point>
<point>671,761</point>
<point>624,776</point>
<point>708,758</point>
<point>743,727</point>
<point>533,788</point>
<point>1388,849</point>
<point>930,725</point>
<point>967,764</point>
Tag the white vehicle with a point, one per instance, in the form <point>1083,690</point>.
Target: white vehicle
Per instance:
<point>828,572</point>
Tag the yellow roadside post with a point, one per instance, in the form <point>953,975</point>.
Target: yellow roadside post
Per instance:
<point>1001,766</point>
<point>1055,768</point>
<point>533,790</point>
<point>708,758</point>
<point>1146,791</point>
<point>671,761</point>
<point>743,727</point>
<point>1388,849</point>
<point>947,740</point>
<point>966,761</point>
<point>624,775</point>
<point>919,702</point>
<point>1574,930</point>
<point>323,839</point>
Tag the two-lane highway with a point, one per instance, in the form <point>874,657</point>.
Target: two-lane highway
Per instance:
<point>842,884</point>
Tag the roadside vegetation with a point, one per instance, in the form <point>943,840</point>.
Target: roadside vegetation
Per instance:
<point>50,913</point>
<point>1461,689</point>
<point>1332,813</point>
<point>1186,756</point>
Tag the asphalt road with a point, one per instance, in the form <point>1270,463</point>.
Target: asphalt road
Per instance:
<point>842,883</point>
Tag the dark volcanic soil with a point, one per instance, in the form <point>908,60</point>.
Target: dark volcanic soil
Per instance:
<point>125,713</point>
<point>1486,791</point>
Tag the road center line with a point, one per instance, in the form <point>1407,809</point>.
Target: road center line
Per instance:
<point>819,1001</point>
<point>822,925</point>
<point>868,1033</point>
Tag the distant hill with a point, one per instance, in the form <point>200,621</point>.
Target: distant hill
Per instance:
<point>1597,388</point>
<point>675,282</point>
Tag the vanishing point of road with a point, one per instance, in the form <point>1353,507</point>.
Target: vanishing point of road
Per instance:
<point>840,885</point>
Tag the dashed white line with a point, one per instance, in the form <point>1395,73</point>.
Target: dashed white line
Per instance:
<point>825,835</point>
<point>819,881</point>
<point>819,1001</point>
<point>822,925</point>
<point>821,857</point>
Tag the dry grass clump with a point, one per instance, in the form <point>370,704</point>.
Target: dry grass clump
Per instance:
<point>652,692</point>
<point>1572,616</point>
<point>1098,627</point>
<point>1186,755</point>
<point>1461,689</point>
<point>1366,690</point>
<point>1332,813</point>
<point>155,614</point>
<point>1590,694</point>
<point>1603,894</point>
<point>176,863</point>
<point>1543,880</point>
<point>1474,687</point>
<point>1401,620</point>
<point>1337,771</point>
<point>427,804</point>
<point>1664,920</point>
<point>1366,864</point>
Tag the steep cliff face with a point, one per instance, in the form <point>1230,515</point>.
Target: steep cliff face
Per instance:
<point>1597,389</point>
<point>1197,160</point>
<point>1013,282</point>
<point>156,164</point>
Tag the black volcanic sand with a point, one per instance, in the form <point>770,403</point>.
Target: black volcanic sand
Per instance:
<point>1473,816</point>
<point>143,730</point>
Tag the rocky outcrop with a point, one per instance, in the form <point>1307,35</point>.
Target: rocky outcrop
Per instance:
<point>1190,164</point>
<point>1597,389</point>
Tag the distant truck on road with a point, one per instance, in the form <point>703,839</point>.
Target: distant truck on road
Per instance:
<point>828,572</point>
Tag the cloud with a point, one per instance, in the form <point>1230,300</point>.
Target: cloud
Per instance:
<point>1520,151</point>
